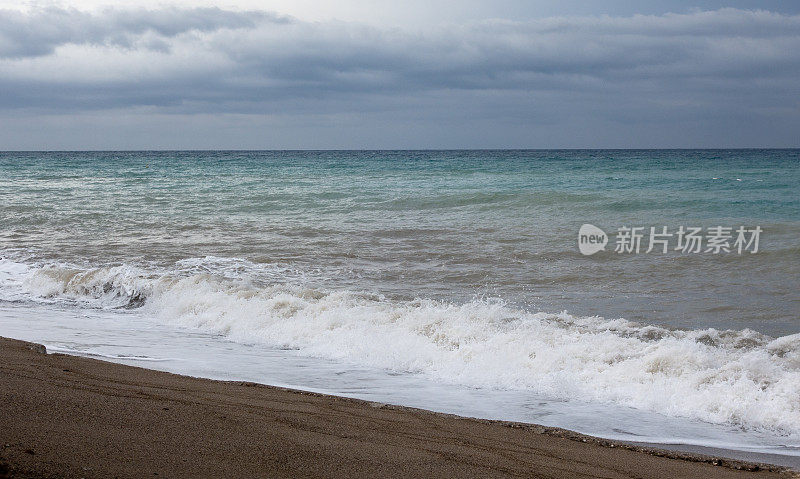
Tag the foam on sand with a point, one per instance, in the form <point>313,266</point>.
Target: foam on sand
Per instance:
<point>741,378</point>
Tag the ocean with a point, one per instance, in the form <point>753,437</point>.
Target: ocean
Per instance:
<point>449,280</point>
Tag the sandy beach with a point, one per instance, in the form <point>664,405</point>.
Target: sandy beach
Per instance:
<point>67,416</point>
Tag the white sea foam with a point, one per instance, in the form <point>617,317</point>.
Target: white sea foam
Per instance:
<point>740,378</point>
<point>95,354</point>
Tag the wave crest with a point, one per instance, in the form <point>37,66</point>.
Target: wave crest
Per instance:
<point>117,286</point>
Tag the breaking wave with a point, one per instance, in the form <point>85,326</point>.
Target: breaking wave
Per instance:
<point>740,378</point>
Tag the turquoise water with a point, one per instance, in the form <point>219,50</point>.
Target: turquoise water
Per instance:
<point>450,280</point>
<point>431,224</point>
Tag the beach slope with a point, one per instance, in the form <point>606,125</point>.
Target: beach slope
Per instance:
<point>66,416</point>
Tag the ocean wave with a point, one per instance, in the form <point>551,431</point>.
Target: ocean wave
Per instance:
<point>739,378</point>
<point>110,287</point>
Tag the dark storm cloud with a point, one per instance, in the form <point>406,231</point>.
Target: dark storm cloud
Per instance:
<point>720,64</point>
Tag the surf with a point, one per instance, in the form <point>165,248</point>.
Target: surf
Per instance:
<point>739,378</point>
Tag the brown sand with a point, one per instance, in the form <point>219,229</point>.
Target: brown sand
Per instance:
<point>65,416</point>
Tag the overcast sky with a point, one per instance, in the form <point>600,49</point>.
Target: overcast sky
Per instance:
<point>388,74</point>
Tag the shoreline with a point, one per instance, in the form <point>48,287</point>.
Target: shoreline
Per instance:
<point>73,416</point>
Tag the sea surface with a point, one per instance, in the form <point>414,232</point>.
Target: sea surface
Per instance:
<point>450,280</point>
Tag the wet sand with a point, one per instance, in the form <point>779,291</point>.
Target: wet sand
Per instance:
<point>67,416</point>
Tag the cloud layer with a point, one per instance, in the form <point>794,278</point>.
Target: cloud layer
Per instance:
<point>727,69</point>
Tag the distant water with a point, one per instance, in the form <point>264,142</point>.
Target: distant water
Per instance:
<point>456,267</point>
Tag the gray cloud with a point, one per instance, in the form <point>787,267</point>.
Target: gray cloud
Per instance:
<point>40,31</point>
<point>707,65</point>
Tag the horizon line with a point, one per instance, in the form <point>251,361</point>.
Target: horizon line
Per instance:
<point>167,150</point>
